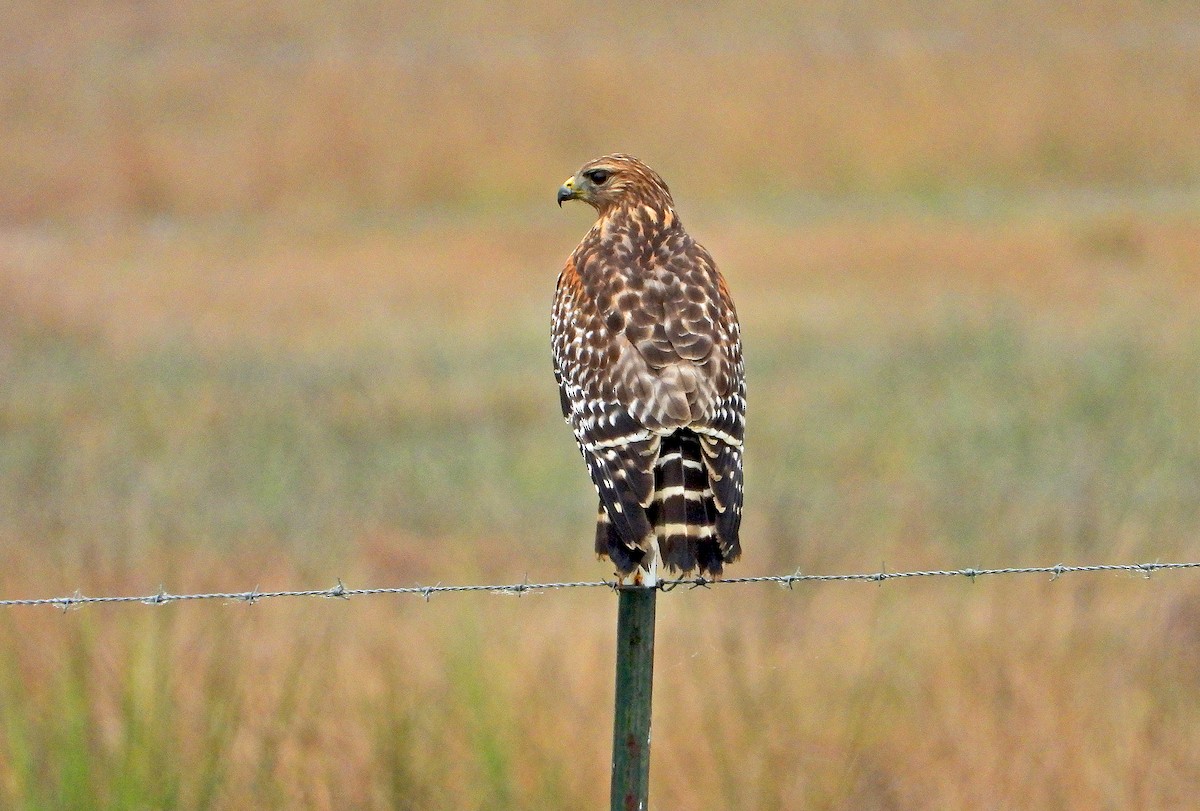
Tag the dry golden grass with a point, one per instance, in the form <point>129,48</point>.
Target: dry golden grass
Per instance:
<point>339,285</point>
<point>1077,694</point>
<point>179,108</point>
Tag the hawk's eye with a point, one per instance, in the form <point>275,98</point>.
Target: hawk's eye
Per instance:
<point>598,176</point>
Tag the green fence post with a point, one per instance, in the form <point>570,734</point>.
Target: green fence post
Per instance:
<point>635,682</point>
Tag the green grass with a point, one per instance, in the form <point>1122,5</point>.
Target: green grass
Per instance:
<point>107,731</point>
<point>969,434</point>
<point>991,437</point>
<point>300,449</point>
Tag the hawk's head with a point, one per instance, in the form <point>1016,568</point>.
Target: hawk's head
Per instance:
<point>616,181</point>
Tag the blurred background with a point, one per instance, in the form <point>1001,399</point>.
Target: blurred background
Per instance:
<point>275,283</point>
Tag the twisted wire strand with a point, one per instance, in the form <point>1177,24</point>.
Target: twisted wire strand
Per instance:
<point>340,591</point>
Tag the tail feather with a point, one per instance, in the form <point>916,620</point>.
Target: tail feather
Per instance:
<point>684,512</point>
<point>609,544</point>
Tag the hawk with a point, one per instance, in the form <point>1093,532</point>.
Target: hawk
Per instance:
<point>648,359</point>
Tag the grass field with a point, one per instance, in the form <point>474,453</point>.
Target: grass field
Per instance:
<point>274,303</point>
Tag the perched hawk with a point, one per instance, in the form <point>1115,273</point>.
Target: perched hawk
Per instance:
<point>648,360</point>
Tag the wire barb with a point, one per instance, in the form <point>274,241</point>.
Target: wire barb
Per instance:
<point>790,580</point>
<point>158,599</point>
<point>162,596</point>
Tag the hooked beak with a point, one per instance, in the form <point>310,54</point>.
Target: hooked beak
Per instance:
<point>567,191</point>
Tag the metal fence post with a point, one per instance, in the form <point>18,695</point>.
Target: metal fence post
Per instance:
<point>635,682</point>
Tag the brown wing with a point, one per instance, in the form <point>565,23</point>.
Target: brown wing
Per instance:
<point>614,445</point>
<point>723,430</point>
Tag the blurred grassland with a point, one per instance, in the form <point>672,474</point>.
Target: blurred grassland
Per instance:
<point>274,296</point>
<point>183,108</point>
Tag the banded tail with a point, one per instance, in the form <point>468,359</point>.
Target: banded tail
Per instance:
<point>683,512</point>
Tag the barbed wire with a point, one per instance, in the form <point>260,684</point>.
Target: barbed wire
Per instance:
<point>340,591</point>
